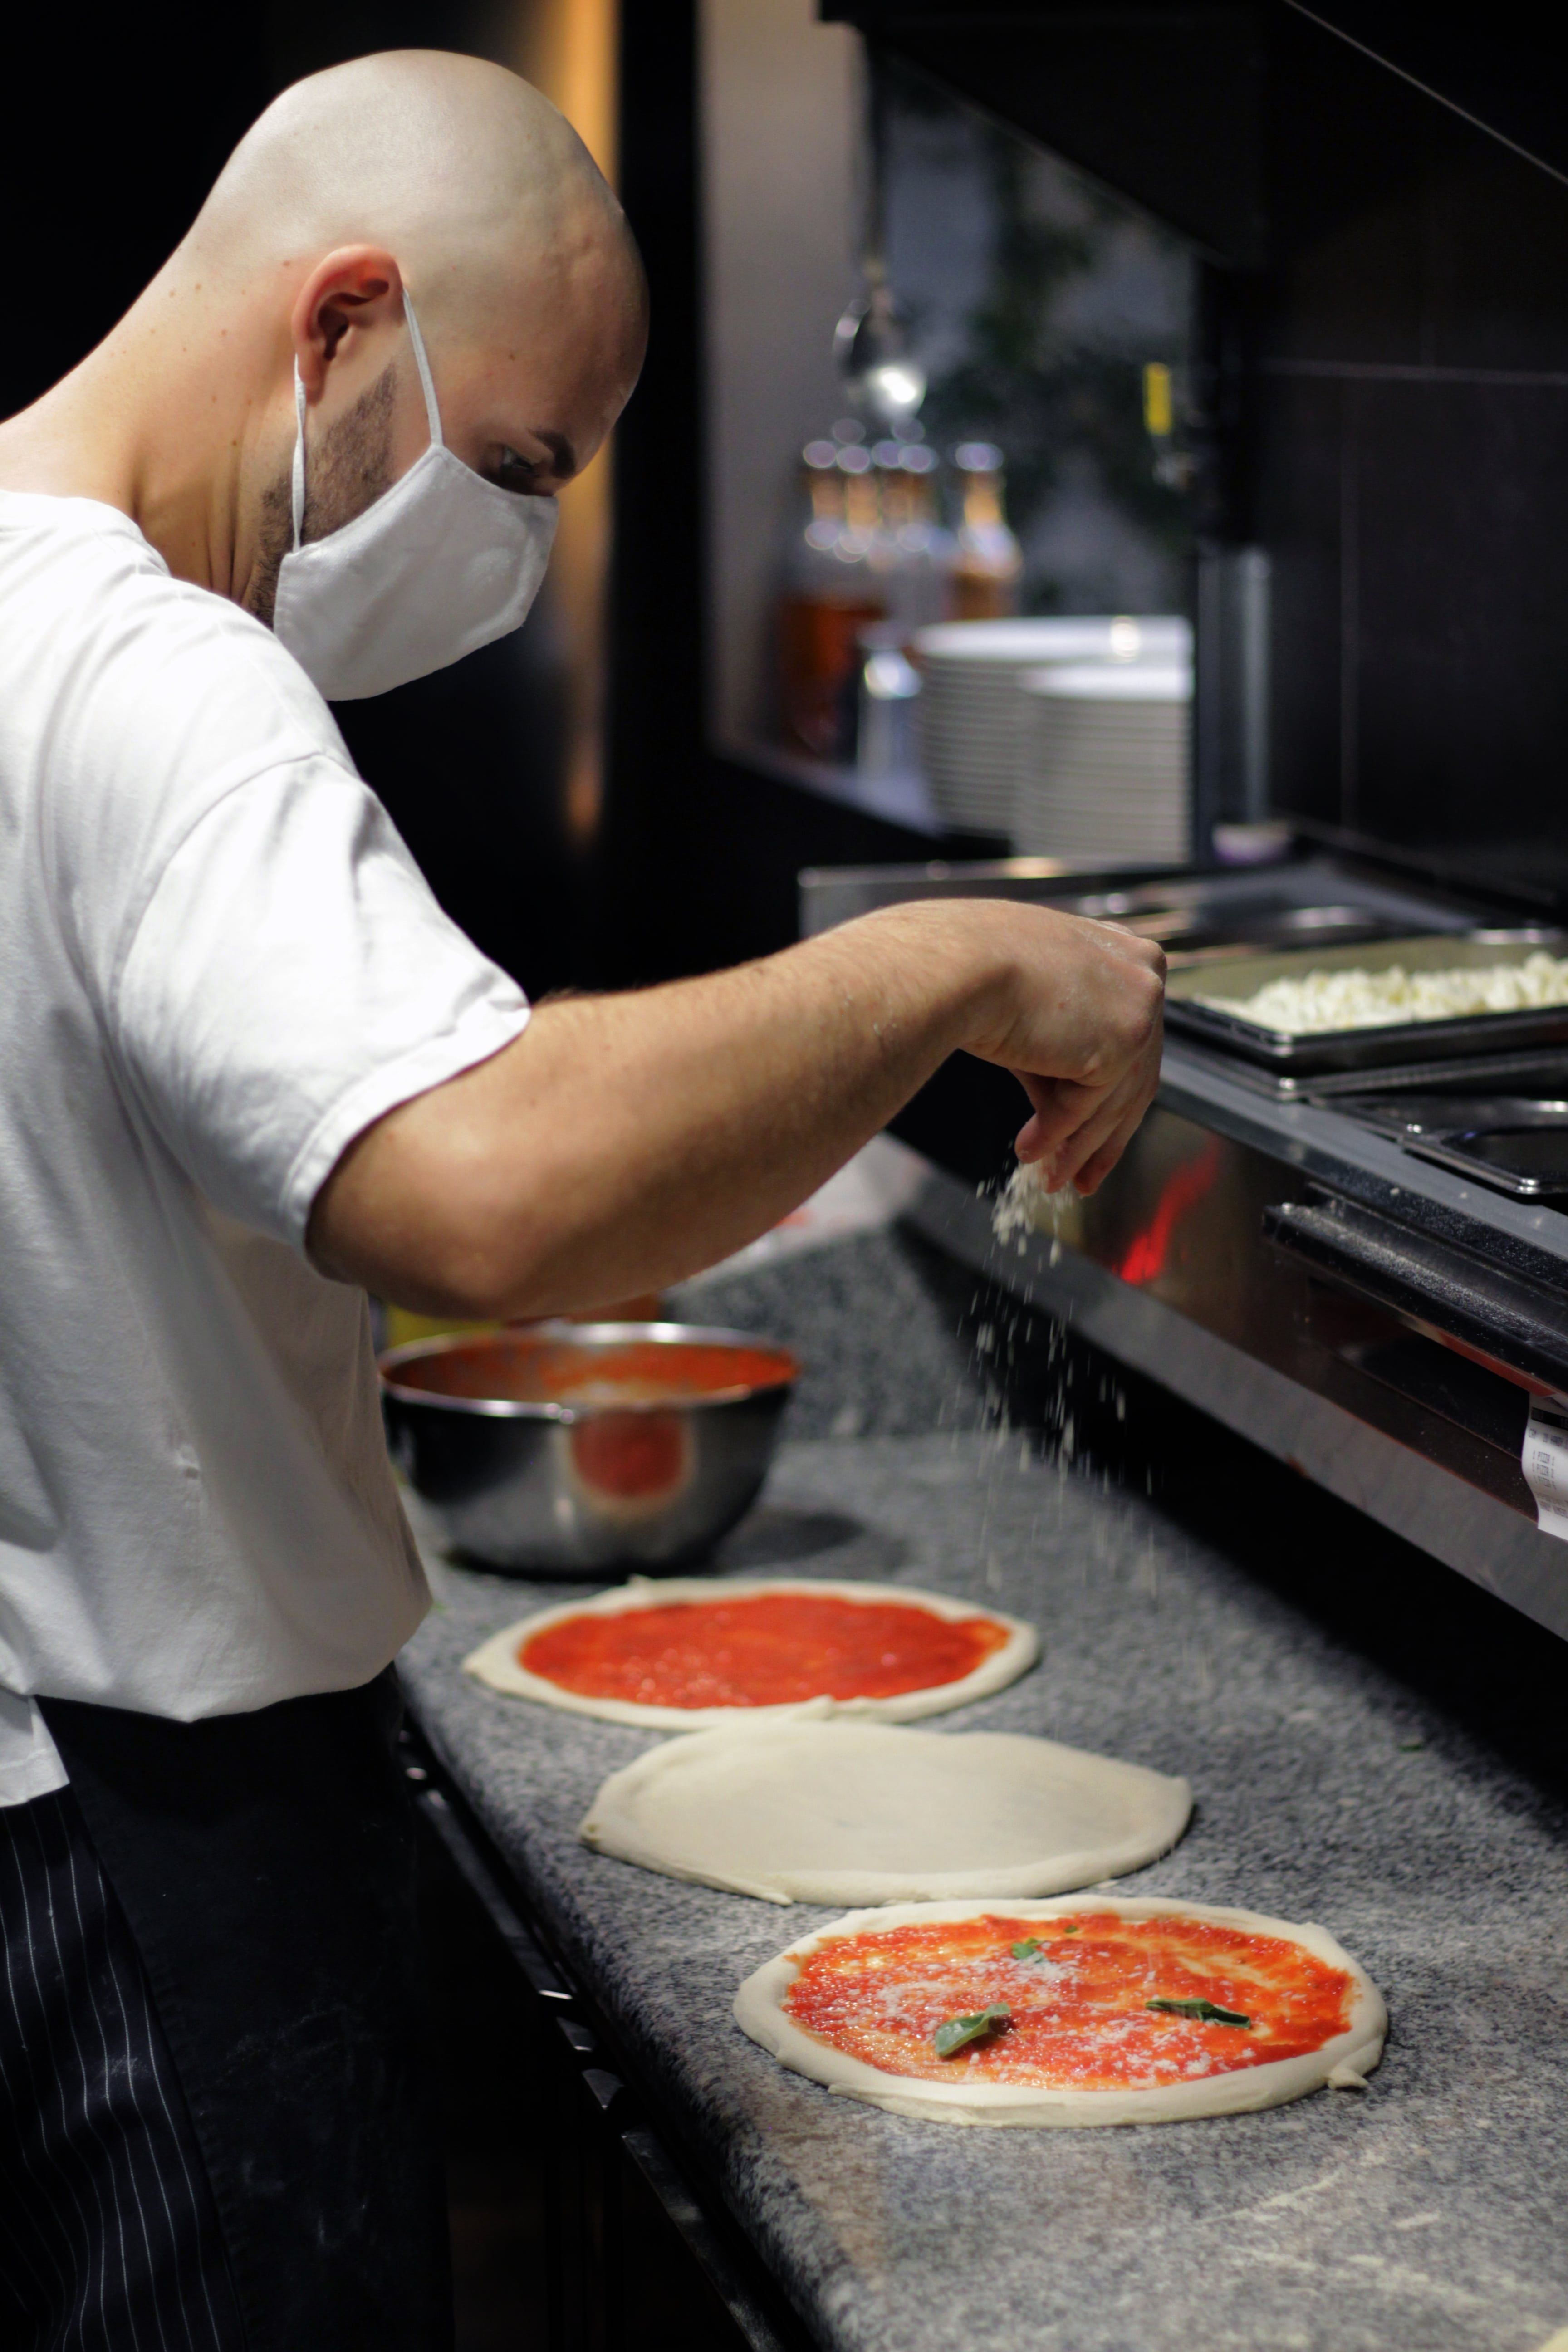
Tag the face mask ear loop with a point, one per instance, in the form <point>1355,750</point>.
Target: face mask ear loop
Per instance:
<point>432,407</point>
<point>299,480</point>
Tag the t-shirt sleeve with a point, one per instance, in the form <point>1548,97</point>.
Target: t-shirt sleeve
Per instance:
<point>291,979</point>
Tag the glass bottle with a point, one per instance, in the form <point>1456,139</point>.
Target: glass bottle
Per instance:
<point>990,560</point>
<point>915,554</point>
<point>831,590</point>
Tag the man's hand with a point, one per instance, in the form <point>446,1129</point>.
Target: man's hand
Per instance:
<point>622,1142</point>
<point>1108,1026</point>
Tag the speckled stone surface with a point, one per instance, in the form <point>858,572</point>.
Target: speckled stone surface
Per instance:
<point>1429,2214</point>
<point>875,1319</point>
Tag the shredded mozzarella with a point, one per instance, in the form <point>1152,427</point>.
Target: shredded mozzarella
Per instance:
<point>1024,1206</point>
<point>1379,1000</point>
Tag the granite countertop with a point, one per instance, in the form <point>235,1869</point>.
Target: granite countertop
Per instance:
<point>1424,2214</point>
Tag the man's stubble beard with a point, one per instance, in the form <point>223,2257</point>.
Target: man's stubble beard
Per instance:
<point>345,472</point>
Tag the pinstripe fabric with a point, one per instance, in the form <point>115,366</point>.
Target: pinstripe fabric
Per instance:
<point>109,2235</point>
<point>264,1864</point>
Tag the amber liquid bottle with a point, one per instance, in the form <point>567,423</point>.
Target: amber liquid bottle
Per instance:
<point>832,590</point>
<point>916,555</point>
<point>985,576</point>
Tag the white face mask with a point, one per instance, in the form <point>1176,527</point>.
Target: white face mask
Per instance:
<point>442,563</point>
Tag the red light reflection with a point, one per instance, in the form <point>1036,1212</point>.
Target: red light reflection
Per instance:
<point>1184,1188</point>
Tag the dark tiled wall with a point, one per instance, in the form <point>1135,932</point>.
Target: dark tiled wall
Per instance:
<point>1409,405</point>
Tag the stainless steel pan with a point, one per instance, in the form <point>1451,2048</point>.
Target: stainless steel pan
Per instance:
<point>1426,1042</point>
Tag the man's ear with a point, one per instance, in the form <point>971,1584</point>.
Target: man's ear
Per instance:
<point>349,295</point>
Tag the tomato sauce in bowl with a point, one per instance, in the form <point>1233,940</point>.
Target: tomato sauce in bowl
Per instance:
<point>559,1447</point>
<point>529,1368</point>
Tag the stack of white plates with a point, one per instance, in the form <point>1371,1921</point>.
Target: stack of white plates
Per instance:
<point>969,708</point>
<point>1104,771</point>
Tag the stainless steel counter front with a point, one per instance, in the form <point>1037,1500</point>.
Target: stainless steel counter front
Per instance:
<point>1169,1269</point>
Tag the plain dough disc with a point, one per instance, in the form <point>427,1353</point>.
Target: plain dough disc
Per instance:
<point>1345,2060</point>
<point>495,1662</point>
<point>844,1811</point>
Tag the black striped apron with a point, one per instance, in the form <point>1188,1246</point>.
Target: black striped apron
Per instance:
<point>214,2129</point>
<point>108,2232</point>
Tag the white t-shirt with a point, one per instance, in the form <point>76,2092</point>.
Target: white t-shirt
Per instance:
<point>218,963</point>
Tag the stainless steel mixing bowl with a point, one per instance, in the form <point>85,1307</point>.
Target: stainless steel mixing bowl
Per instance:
<point>557,1448</point>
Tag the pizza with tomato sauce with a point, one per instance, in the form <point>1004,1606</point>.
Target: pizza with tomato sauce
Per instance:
<point>685,1652</point>
<point>1115,2011</point>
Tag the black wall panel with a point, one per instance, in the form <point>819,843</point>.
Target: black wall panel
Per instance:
<point>1382,404</point>
<point>1409,393</point>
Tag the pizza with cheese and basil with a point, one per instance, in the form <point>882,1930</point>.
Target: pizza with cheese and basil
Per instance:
<point>1108,2011</point>
<point>685,1652</point>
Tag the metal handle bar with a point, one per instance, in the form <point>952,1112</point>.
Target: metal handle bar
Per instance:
<point>1519,1328</point>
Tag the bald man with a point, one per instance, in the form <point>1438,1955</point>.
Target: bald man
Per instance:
<point>247,1071</point>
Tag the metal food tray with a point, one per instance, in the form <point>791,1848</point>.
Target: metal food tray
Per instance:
<point>1368,1049</point>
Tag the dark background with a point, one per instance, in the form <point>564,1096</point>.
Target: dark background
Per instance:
<point>1376,192</point>
<point>120,121</point>
<point>1382,404</point>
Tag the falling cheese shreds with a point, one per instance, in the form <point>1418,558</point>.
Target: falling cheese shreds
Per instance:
<point>1024,1206</point>
<point>1382,1000</point>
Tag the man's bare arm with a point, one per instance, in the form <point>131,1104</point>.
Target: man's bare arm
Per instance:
<point>624,1141</point>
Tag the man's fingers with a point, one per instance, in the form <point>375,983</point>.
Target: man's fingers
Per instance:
<point>1061,1108</point>
<point>1108,1136</point>
<point>1126,1103</point>
<point>1060,1137</point>
<point>1073,1125</point>
<point>1097,1167</point>
<point>1095,1170</point>
<point>1039,1136</point>
<point>1070,1121</point>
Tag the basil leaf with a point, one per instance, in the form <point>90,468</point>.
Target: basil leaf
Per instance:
<point>1206,2012</point>
<point>957,2031</point>
<point>1031,1948</point>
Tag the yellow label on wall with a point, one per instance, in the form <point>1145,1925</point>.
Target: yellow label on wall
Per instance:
<point>1157,406</point>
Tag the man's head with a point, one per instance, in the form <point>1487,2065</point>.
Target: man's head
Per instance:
<point>416,168</point>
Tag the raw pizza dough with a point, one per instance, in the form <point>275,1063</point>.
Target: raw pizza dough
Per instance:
<point>842,1810</point>
<point>495,1662</point>
<point>1344,2061</point>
